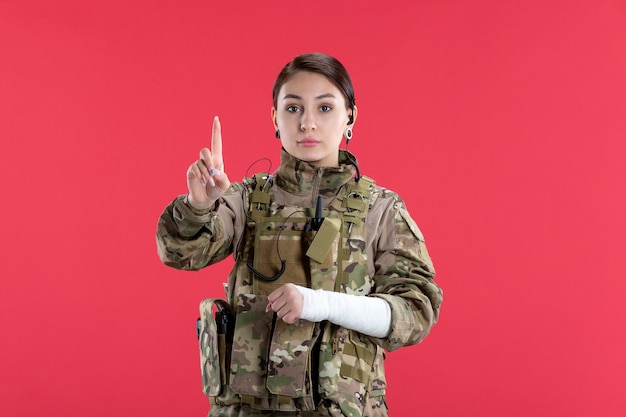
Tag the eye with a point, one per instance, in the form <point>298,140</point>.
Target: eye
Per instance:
<point>325,108</point>
<point>293,109</point>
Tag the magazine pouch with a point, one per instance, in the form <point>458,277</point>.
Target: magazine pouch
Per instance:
<point>289,365</point>
<point>214,339</point>
<point>250,345</point>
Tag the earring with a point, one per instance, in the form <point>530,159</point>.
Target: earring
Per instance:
<point>348,134</point>
<point>277,134</point>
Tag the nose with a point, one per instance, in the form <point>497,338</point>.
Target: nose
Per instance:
<point>308,121</point>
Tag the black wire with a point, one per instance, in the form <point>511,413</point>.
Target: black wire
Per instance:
<point>269,170</point>
<point>353,162</point>
<point>283,263</point>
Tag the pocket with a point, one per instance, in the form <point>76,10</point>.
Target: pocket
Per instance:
<point>324,273</point>
<point>280,240</point>
<point>250,345</point>
<point>289,365</point>
<point>346,369</point>
<point>212,352</point>
<point>357,358</point>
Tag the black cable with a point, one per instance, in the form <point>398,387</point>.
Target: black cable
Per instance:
<point>283,263</point>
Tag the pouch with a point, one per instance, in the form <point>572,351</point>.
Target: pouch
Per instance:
<point>213,347</point>
<point>251,340</point>
<point>290,354</point>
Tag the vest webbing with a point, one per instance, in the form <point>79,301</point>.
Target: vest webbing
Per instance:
<point>355,203</point>
<point>260,196</point>
<point>346,212</point>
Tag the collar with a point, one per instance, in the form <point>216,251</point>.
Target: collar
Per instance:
<point>303,178</point>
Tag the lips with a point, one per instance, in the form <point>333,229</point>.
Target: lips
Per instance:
<point>308,142</point>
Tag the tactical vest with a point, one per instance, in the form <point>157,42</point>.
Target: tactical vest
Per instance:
<point>266,363</point>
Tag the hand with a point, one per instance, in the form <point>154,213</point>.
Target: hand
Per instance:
<point>287,302</point>
<point>206,178</point>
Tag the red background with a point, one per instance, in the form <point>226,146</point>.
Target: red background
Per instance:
<point>500,123</point>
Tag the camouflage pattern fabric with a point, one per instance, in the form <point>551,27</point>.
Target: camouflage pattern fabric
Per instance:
<point>213,348</point>
<point>307,368</point>
<point>374,407</point>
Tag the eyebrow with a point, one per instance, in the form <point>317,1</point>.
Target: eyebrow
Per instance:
<point>297,97</point>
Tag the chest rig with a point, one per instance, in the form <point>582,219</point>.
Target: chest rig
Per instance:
<point>271,365</point>
<point>315,249</point>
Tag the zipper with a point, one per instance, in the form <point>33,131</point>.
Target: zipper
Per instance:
<point>316,185</point>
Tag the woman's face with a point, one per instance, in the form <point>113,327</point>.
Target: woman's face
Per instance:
<point>312,117</point>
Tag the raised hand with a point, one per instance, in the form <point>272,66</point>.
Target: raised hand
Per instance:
<point>206,178</point>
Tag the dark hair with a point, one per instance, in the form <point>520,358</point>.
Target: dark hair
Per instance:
<point>321,64</point>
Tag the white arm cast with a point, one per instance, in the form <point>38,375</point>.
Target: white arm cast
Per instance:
<point>367,315</point>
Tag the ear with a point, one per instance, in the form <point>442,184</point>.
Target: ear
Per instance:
<point>354,111</point>
<point>273,113</point>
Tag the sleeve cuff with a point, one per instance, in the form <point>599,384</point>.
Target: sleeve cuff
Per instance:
<point>184,213</point>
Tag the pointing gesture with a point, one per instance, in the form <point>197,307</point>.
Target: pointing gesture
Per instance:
<point>206,178</point>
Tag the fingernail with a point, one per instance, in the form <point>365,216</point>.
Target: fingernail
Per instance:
<point>211,182</point>
<point>214,172</point>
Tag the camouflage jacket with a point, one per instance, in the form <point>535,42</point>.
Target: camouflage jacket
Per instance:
<point>384,256</point>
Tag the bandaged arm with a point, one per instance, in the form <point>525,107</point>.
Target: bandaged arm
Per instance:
<point>367,315</point>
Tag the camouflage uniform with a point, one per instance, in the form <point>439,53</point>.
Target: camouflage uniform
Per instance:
<point>307,369</point>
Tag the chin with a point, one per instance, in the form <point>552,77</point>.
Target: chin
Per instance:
<point>307,155</point>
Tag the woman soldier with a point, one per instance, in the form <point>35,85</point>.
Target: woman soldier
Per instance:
<point>330,269</point>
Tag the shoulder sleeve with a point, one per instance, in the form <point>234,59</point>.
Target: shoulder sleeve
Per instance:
<point>191,239</point>
<point>404,275</point>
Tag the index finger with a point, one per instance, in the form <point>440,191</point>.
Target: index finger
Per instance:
<point>216,139</point>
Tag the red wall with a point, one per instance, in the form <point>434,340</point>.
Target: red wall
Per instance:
<point>500,123</point>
